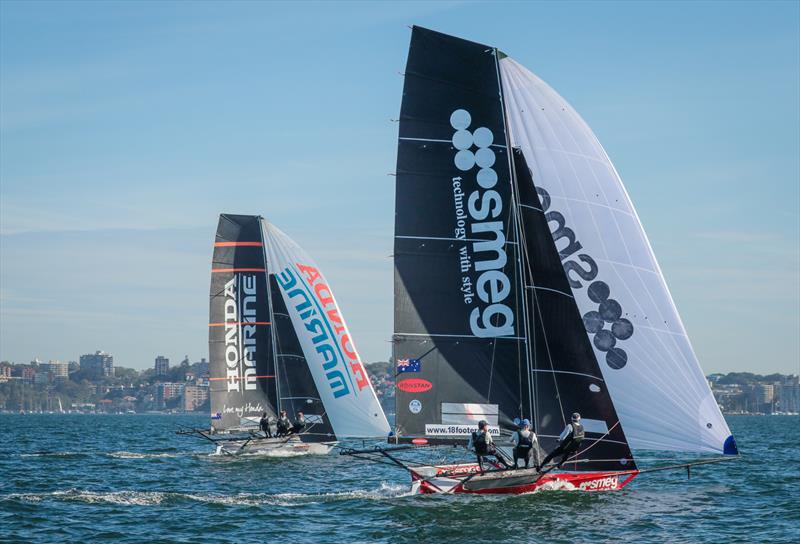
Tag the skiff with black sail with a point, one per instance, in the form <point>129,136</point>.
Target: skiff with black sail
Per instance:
<point>525,287</point>
<point>278,342</point>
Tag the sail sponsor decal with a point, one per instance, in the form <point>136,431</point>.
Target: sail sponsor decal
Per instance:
<point>414,385</point>
<point>580,270</point>
<point>478,209</point>
<point>240,304</point>
<point>323,325</point>
<point>433,429</point>
<point>415,406</point>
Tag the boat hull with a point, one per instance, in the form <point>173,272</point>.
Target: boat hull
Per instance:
<point>276,447</point>
<point>467,478</point>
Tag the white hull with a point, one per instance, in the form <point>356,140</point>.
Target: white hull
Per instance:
<point>273,447</point>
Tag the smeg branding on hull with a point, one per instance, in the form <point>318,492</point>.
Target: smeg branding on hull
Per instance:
<point>490,315</point>
<point>240,338</point>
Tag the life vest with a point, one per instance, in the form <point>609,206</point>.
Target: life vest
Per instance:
<point>479,443</point>
<point>577,434</point>
<point>524,442</point>
<point>284,424</point>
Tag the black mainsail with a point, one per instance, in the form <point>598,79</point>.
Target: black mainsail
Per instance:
<point>485,324</point>
<point>242,368</point>
<point>257,363</point>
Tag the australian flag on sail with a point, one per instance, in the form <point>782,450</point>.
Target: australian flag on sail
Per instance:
<point>408,365</point>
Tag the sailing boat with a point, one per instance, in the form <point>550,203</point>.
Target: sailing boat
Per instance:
<point>525,286</point>
<point>278,341</point>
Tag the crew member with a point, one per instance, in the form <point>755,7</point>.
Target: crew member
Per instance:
<point>483,445</point>
<point>523,440</point>
<point>284,426</point>
<point>299,423</point>
<point>570,438</point>
<point>264,425</point>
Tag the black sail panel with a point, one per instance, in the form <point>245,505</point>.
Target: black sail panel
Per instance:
<point>241,365</point>
<point>566,377</point>
<point>459,339</point>
<point>296,388</point>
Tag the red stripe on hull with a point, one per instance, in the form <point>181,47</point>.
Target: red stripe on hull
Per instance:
<point>585,481</point>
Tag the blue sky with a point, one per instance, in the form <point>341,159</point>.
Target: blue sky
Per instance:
<point>126,128</point>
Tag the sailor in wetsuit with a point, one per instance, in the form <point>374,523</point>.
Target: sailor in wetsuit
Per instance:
<point>299,423</point>
<point>524,441</point>
<point>571,437</point>
<point>263,424</point>
<point>284,426</point>
<point>483,445</point>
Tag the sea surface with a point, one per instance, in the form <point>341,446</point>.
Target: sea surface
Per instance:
<point>130,478</point>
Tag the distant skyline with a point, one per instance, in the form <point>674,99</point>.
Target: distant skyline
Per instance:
<point>127,127</point>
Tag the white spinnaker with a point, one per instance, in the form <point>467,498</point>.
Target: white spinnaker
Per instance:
<point>325,339</point>
<point>660,393</point>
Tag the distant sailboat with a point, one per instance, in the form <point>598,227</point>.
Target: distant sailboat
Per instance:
<point>525,286</point>
<point>278,341</point>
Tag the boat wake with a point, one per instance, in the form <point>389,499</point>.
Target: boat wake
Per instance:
<point>139,455</point>
<point>156,498</point>
<point>54,454</point>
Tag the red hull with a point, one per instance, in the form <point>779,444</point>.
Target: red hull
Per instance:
<point>466,479</point>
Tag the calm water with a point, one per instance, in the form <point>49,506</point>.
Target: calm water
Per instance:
<point>129,478</point>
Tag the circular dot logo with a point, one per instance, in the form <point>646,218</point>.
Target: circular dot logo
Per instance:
<point>483,137</point>
<point>415,406</point>
<point>622,329</point>
<point>464,160</point>
<point>484,157</point>
<point>593,322</point>
<point>610,310</point>
<point>604,340</point>
<point>598,291</point>
<point>616,358</point>
<point>460,119</point>
<point>487,178</point>
<point>462,139</point>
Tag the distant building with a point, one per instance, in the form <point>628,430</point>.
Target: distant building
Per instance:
<point>98,365</point>
<point>762,397</point>
<point>167,391</point>
<point>194,396</point>
<point>5,372</point>
<point>27,373</point>
<point>202,366</point>
<point>789,395</point>
<point>56,369</point>
<point>162,365</point>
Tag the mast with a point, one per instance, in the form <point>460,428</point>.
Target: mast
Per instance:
<point>522,253</point>
<point>273,328</point>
